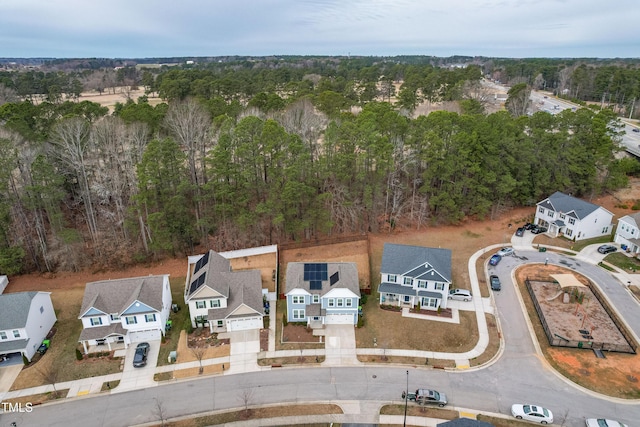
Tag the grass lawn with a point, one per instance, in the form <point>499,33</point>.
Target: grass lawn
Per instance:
<point>581,244</point>
<point>502,422</point>
<point>624,262</point>
<point>180,320</point>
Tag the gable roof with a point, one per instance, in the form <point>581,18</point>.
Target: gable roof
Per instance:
<point>560,202</point>
<point>115,296</point>
<point>347,278</point>
<point>417,261</point>
<point>633,219</point>
<point>211,270</point>
<point>14,309</point>
<point>245,288</point>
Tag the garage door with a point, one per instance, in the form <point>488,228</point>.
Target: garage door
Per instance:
<point>140,336</point>
<point>339,319</point>
<point>244,324</point>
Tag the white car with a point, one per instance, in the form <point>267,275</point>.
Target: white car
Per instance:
<point>460,294</point>
<point>601,422</point>
<point>533,413</point>
<point>505,252</point>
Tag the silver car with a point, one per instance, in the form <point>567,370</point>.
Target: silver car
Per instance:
<point>460,294</point>
<point>601,422</point>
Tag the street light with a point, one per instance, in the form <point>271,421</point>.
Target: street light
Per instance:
<point>406,398</point>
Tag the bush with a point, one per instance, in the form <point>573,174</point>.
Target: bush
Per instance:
<point>363,299</point>
<point>25,360</point>
<point>78,355</point>
<point>284,319</point>
<point>636,206</point>
<point>360,321</point>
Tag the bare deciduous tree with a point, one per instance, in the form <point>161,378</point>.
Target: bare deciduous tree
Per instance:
<point>159,411</point>
<point>198,353</point>
<point>50,374</point>
<point>246,398</point>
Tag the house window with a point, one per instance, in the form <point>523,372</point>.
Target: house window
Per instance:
<point>150,317</point>
<point>201,304</point>
<point>348,302</point>
<point>550,213</point>
<point>16,333</point>
<point>568,232</point>
<point>220,323</point>
<point>422,283</point>
<point>131,320</point>
<point>439,286</point>
<point>114,316</point>
<point>331,302</point>
<point>392,278</point>
<point>541,210</point>
<point>316,298</point>
<point>41,309</point>
<point>3,335</point>
<point>561,216</point>
<point>408,281</point>
<point>572,221</point>
<point>214,303</point>
<point>297,299</point>
<point>604,230</point>
<point>96,321</point>
<point>340,302</point>
<point>298,314</point>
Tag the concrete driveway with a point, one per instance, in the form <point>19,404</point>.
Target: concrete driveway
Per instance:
<point>340,345</point>
<point>8,374</point>
<point>137,378</point>
<point>245,346</point>
<point>591,255</point>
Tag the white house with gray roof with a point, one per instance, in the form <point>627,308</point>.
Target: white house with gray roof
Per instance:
<point>224,300</point>
<point>628,232</point>
<point>574,218</point>
<point>412,275</point>
<point>25,320</point>
<point>322,293</point>
<point>124,311</point>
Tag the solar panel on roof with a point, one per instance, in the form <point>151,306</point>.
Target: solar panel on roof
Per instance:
<point>197,283</point>
<point>315,272</point>
<point>201,262</point>
<point>315,284</point>
<point>334,278</point>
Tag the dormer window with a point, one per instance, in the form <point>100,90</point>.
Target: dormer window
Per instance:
<point>392,278</point>
<point>96,321</point>
<point>408,281</point>
<point>114,316</point>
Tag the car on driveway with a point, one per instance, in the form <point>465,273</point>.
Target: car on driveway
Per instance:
<point>635,130</point>
<point>140,356</point>
<point>607,249</point>
<point>495,259</point>
<point>506,252</point>
<point>533,413</point>
<point>538,229</point>
<point>520,232</point>
<point>495,282</point>
<point>424,396</point>
<point>528,226</point>
<point>460,294</point>
<point>601,422</point>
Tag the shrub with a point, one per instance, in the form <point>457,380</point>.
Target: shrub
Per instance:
<point>363,299</point>
<point>78,354</point>
<point>360,321</point>
<point>25,360</point>
<point>284,319</point>
<point>636,205</point>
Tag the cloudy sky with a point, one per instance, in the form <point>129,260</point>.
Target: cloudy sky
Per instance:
<point>162,28</point>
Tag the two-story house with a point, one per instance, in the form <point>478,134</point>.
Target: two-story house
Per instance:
<point>124,311</point>
<point>25,320</point>
<point>628,232</point>
<point>576,219</point>
<point>222,299</point>
<point>415,275</point>
<point>322,293</point>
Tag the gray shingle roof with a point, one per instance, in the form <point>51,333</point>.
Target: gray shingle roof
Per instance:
<point>115,296</point>
<point>15,345</point>
<point>347,277</point>
<point>245,287</point>
<point>100,332</point>
<point>403,259</point>
<point>14,309</point>
<point>560,202</point>
<point>632,219</point>
<point>213,270</point>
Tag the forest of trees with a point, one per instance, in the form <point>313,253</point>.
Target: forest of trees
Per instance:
<point>250,153</point>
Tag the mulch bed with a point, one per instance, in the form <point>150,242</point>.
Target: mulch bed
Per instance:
<point>298,333</point>
<point>446,312</point>
<point>203,338</point>
<point>264,339</point>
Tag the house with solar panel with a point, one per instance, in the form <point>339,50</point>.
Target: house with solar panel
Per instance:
<point>574,218</point>
<point>321,294</point>
<point>222,299</point>
<point>415,275</point>
<point>119,312</point>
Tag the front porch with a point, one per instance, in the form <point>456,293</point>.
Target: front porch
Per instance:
<point>105,346</point>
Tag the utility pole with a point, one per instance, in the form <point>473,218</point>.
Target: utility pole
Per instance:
<point>406,398</point>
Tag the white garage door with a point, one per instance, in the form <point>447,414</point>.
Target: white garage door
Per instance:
<point>140,336</point>
<point>339,319</point>
<point>244,324</point>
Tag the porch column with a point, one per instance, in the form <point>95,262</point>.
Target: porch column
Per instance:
<point>109,344</point>
<point>84,345</point>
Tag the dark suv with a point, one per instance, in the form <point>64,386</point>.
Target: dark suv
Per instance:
<point>140,357</point>
<point>538,229</point>
<point>495,282</point>
<point>607,249</point>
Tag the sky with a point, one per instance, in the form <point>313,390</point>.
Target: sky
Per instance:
<point>186,28</point>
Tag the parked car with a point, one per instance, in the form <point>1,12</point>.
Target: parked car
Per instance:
<point>533,413</point>
<point>635,130</point>
<point>606,249</point>
<point>520,231</point>
<point>424,396</point>
<point>538,229</point>
<point>505,252</point>
<point>460,294</point>
<point>601,422</point>
<point>495,259</point>
<point>140,356</point>
<point>528,226</point>
<point>495,282</point>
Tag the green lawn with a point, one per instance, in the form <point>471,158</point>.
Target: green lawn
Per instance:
<point>624,262</point>
<point>180,321</point>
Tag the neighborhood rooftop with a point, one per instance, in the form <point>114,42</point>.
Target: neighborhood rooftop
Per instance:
<point>14,309</point>
<point>410,261</point>
<point>560,202</point>
<point>115,296</point>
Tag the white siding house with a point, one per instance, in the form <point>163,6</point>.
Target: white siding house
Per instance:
<point>222,299</point>
<point>628,232</point>
<point>25,320</point>
<point>125,311</point>
<point>415,275</point>
<point>574,218</point>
